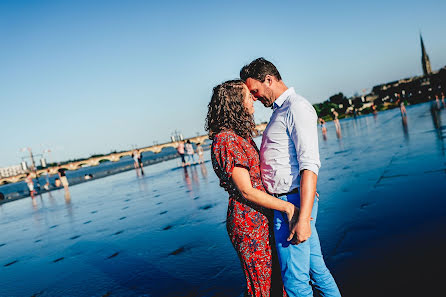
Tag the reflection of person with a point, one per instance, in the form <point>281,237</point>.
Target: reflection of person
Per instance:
<point>235,160</point>
<point>180,150</point>
<point>30,184</point>
<point>437,100</point>
<point>2,196</point>
<point>290,165</point>
<point>200,153</point>
<point>190,152</point>
<point>63,178</point>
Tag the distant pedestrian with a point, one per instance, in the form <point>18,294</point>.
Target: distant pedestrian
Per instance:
<point>180,150</point>
<point>30,184</point>
<point>190,152</point>
<point>336,120</point>
<point>135,159</point>
<point>140,163</point>
<point>402,106</point>
<point>200,153</point>
<point>63,178</point>
<point>323,128</point>
<point>47,179</point>
<point>337,124</point>
<point>375,112</point>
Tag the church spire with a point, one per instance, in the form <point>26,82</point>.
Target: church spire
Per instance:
<point>425,59</point>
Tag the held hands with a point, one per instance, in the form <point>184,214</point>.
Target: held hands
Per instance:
<point>300,228</point>
<point>300,232</point>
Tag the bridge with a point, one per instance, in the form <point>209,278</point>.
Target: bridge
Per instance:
<point>113,157</point>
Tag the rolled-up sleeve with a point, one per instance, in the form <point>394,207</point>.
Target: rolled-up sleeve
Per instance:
<point>302,126</point>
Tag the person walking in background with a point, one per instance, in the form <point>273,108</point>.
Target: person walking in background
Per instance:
<point>47,179</point>
<point>290,164</point>
<point>63,178</point>
<point>200,153</point>
<point>400,102</point>
<point>135,159</point>
<point>140,163</point>
<point>180,150</point>
<point>190,153</point>
<point>30,183</point>
<point>235,160</point>
<point>323,128</point>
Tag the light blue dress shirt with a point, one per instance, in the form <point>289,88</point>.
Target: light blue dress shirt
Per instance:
<point>289,143</point>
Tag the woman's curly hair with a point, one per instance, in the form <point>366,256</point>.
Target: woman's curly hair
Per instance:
<point>227,112</point>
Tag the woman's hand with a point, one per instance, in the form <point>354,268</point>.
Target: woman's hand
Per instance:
<point>292,213</point>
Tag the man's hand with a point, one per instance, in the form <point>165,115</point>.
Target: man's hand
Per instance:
<point>300,232</point>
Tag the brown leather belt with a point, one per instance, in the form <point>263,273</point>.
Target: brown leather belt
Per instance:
<point>294,191</point>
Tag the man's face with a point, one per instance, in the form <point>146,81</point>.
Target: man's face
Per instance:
<point>261,91</point>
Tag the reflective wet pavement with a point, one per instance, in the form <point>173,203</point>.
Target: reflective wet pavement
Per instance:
<point>381,221</point>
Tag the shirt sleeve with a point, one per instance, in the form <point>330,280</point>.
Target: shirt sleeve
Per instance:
<point>302,126</point>
<point>228,154</point>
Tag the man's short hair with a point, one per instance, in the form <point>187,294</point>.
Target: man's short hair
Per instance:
<point>259,69</point>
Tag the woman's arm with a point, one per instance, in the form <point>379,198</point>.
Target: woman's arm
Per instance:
<point>241,178</point>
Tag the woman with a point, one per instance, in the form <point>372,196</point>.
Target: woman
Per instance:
<point>190,152</point>
<point>200,153</point>
<point>235,160</point>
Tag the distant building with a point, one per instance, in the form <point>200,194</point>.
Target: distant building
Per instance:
<point>425,59</point>
<point>11,171</point>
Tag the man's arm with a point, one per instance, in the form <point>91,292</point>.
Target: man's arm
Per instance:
<point>302,229</point>
<point>302,125</point>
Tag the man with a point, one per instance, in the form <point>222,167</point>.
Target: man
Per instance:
<point>290,164</point>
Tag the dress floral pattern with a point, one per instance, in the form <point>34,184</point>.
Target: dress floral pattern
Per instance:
<point>247,223</point>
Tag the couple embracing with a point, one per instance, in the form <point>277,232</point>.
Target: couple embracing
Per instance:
<point>272,205</point>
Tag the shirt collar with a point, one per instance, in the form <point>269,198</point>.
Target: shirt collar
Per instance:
<point>282,98</point>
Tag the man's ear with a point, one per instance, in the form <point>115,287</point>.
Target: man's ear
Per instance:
<point>269,80</point>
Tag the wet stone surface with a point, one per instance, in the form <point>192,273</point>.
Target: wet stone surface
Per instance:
<point>381,222</point>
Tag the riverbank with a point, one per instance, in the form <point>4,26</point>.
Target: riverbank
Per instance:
<point>20,190</point>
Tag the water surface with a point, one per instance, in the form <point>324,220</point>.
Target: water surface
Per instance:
<point>381,222</point>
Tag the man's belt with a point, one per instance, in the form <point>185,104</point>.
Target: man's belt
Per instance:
<point>294,191</point>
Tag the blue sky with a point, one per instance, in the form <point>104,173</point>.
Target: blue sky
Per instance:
<point>86,77</point>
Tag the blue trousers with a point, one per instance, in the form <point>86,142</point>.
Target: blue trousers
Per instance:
<point>302,264</point>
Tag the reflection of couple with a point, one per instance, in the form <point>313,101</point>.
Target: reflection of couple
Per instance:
<point>286,167</point>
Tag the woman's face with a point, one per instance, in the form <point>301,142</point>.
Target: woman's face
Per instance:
<point>248,101</point>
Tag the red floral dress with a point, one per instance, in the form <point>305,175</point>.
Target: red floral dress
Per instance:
<point>247,223</point>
